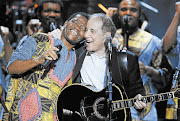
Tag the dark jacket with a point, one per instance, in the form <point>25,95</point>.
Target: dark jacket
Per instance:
<point>124,73</point>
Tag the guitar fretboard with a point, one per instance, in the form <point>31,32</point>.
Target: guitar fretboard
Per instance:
<point>117,105</point>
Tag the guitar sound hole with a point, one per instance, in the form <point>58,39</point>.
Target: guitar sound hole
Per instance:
<point>94,107</point>
<point>100,108</point>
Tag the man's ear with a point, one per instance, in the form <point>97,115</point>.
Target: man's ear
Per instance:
<point>107,34</point>
<point>65,23</point>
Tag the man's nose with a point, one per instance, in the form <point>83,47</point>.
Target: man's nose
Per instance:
<point>128,12</point>
<point>86,35</point>
<point>52,13</point>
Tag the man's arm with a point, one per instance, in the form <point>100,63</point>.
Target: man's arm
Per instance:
<point>21,66</point>
<point>20,62</point>
<point>170,37</point>
<point>160,76</point>
<point>149,71</point>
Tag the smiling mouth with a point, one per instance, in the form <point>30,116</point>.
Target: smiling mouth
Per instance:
<point>88,41</point>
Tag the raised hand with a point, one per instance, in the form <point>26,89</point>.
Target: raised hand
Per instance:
<point>33,26</point>
<point>112,11</point>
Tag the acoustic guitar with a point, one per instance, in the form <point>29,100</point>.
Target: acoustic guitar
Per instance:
<point>84,103</point>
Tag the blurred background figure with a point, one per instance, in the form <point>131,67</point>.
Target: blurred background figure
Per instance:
<point>48,12</point>
<point>5,53</point>
<point>16,14</point>
<point>49,17</point>
<point>171,47</point>
<point>154,69</point>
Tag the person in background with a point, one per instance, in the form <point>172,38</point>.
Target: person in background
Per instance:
<point>171,47</point>
<point>49,13</point>
<point>154,67</point>
<point>33,91</point>
<point>5,53</point>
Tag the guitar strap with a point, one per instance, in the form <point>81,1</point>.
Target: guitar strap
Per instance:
<point>123,69</point>
<point>119,68</point>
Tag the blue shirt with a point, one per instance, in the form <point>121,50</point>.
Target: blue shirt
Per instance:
<point>27,49</point>
<point>174,55</point>
<point>1,47</point>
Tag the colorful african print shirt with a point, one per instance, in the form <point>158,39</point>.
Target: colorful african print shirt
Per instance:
<point>34,94</point>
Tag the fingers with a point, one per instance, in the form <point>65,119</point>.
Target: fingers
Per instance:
<point>51,54</point>
<point>33,26</point>
<point>39,25</point>
<point>5,30</point>
<point>141,63</point>
<point>142,67</point>
<point>177,6</point>
<point>111,11</point>
<point>4,33</point>
<point>34,22</point>
<point>139,104</point>
<point>119,47</point>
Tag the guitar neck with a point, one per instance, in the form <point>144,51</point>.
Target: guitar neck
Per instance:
<point>117,105</point>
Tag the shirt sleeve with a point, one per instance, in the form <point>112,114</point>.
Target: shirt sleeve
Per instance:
<point>24,51</point>
<point>158,42</point>
<point>175,51</point>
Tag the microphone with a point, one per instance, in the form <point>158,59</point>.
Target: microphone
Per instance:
<point>52,26</point>
<point>108,43</point>
<point>47,62</point>
<point>126,18</point>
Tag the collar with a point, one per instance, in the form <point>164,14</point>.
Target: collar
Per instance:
<point>88,53</point>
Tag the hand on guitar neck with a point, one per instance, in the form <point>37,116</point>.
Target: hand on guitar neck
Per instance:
<point>139,104</point>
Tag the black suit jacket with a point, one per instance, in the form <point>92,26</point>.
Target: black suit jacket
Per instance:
<point>125,71</point>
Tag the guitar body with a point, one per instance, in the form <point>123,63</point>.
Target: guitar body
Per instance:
<point>78,102</point>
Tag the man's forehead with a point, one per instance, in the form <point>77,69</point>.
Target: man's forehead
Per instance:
<point>79,17</point>
<point>51,4</point>
<point>95,23</point>
<point>129,3</point>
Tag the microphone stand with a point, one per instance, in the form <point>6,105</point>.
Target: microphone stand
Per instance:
<point>126,35</point>
<point>109,80</point>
